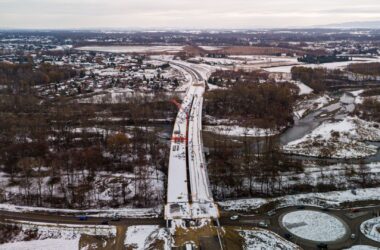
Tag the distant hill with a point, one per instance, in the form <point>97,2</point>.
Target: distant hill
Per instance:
<point>354,25</point>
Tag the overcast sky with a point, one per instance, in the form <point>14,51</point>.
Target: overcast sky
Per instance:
<point>63,14</point>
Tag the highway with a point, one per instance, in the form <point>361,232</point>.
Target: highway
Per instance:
<point>203,205</point>
<point>178,195</point>
<point>189,195</point>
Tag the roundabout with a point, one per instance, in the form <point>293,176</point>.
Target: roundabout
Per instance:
<point>371,229</point>
<point>315,226</point>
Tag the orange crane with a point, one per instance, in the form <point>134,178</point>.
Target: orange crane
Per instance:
<point>180,138</point>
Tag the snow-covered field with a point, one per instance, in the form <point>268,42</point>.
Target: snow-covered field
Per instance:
<point>333,65</point>
<point>52,236</point>
<point>111,96</point>
<point>141,237</point>
<point>371,229</point>
<point>314,225</point>
<point>259,239</point>
<point>333,199</point>
<point>133,49</point>
<point>217,61</point>
<point>338,139</point>
<point>48,244</point>
<point>210,47</point>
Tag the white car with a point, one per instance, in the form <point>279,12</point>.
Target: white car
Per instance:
<point>234,217</point>
<point>271,213</point>
<point>263,224</point>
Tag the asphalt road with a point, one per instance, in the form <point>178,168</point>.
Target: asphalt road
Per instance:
<point>353,226</point>
<point>244,220</point>
<point>74,220</point>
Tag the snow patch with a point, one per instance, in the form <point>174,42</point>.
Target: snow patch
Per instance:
<point>240,131</point>
<point>140,237</point>
<point>371,229</point>
<point>48,244</point>
<point>334,198</point>
<point>338,139</point>
<point>264,239</point>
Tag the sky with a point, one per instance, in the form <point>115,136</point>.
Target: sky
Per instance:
<point>189,14</point>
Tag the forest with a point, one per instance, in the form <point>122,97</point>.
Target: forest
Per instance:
<point>370,69</point>
<point>268,105</point>
<point>20,78</point>
<point>64,154</point>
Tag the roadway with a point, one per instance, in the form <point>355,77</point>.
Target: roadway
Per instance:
<point>189,195</point>
<point>74,220</point>
<point>203,205</point>
<point>178,195</point>
<point>275,225</point>
<point>245,220</point>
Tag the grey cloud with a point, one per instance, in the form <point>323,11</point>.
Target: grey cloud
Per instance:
<point>183,13</point>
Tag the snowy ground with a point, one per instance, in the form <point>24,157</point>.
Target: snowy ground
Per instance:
<point>311,104</point>
<point>314,225</point>
<point>141,237</point>
<point>360,99</point>
<point>64,231</point>
<point>333,199</point>
<point>48,244</point>
<point>210,47</point>
<point>362,247</point>
<point>110,96</point>
<point>217,61</point>
<point>34,235</point>
<point>304,89</point>
<point>371,229</point>
<point>229,127</point>
<point>259,239</point>
<point>338,175</point>
<point>107,188</point>
<point>238,131</point>
<point>338,139</point>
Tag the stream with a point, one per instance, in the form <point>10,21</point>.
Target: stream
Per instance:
<point>335,111</point>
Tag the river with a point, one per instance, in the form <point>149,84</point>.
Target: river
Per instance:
<point>335,111</point>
